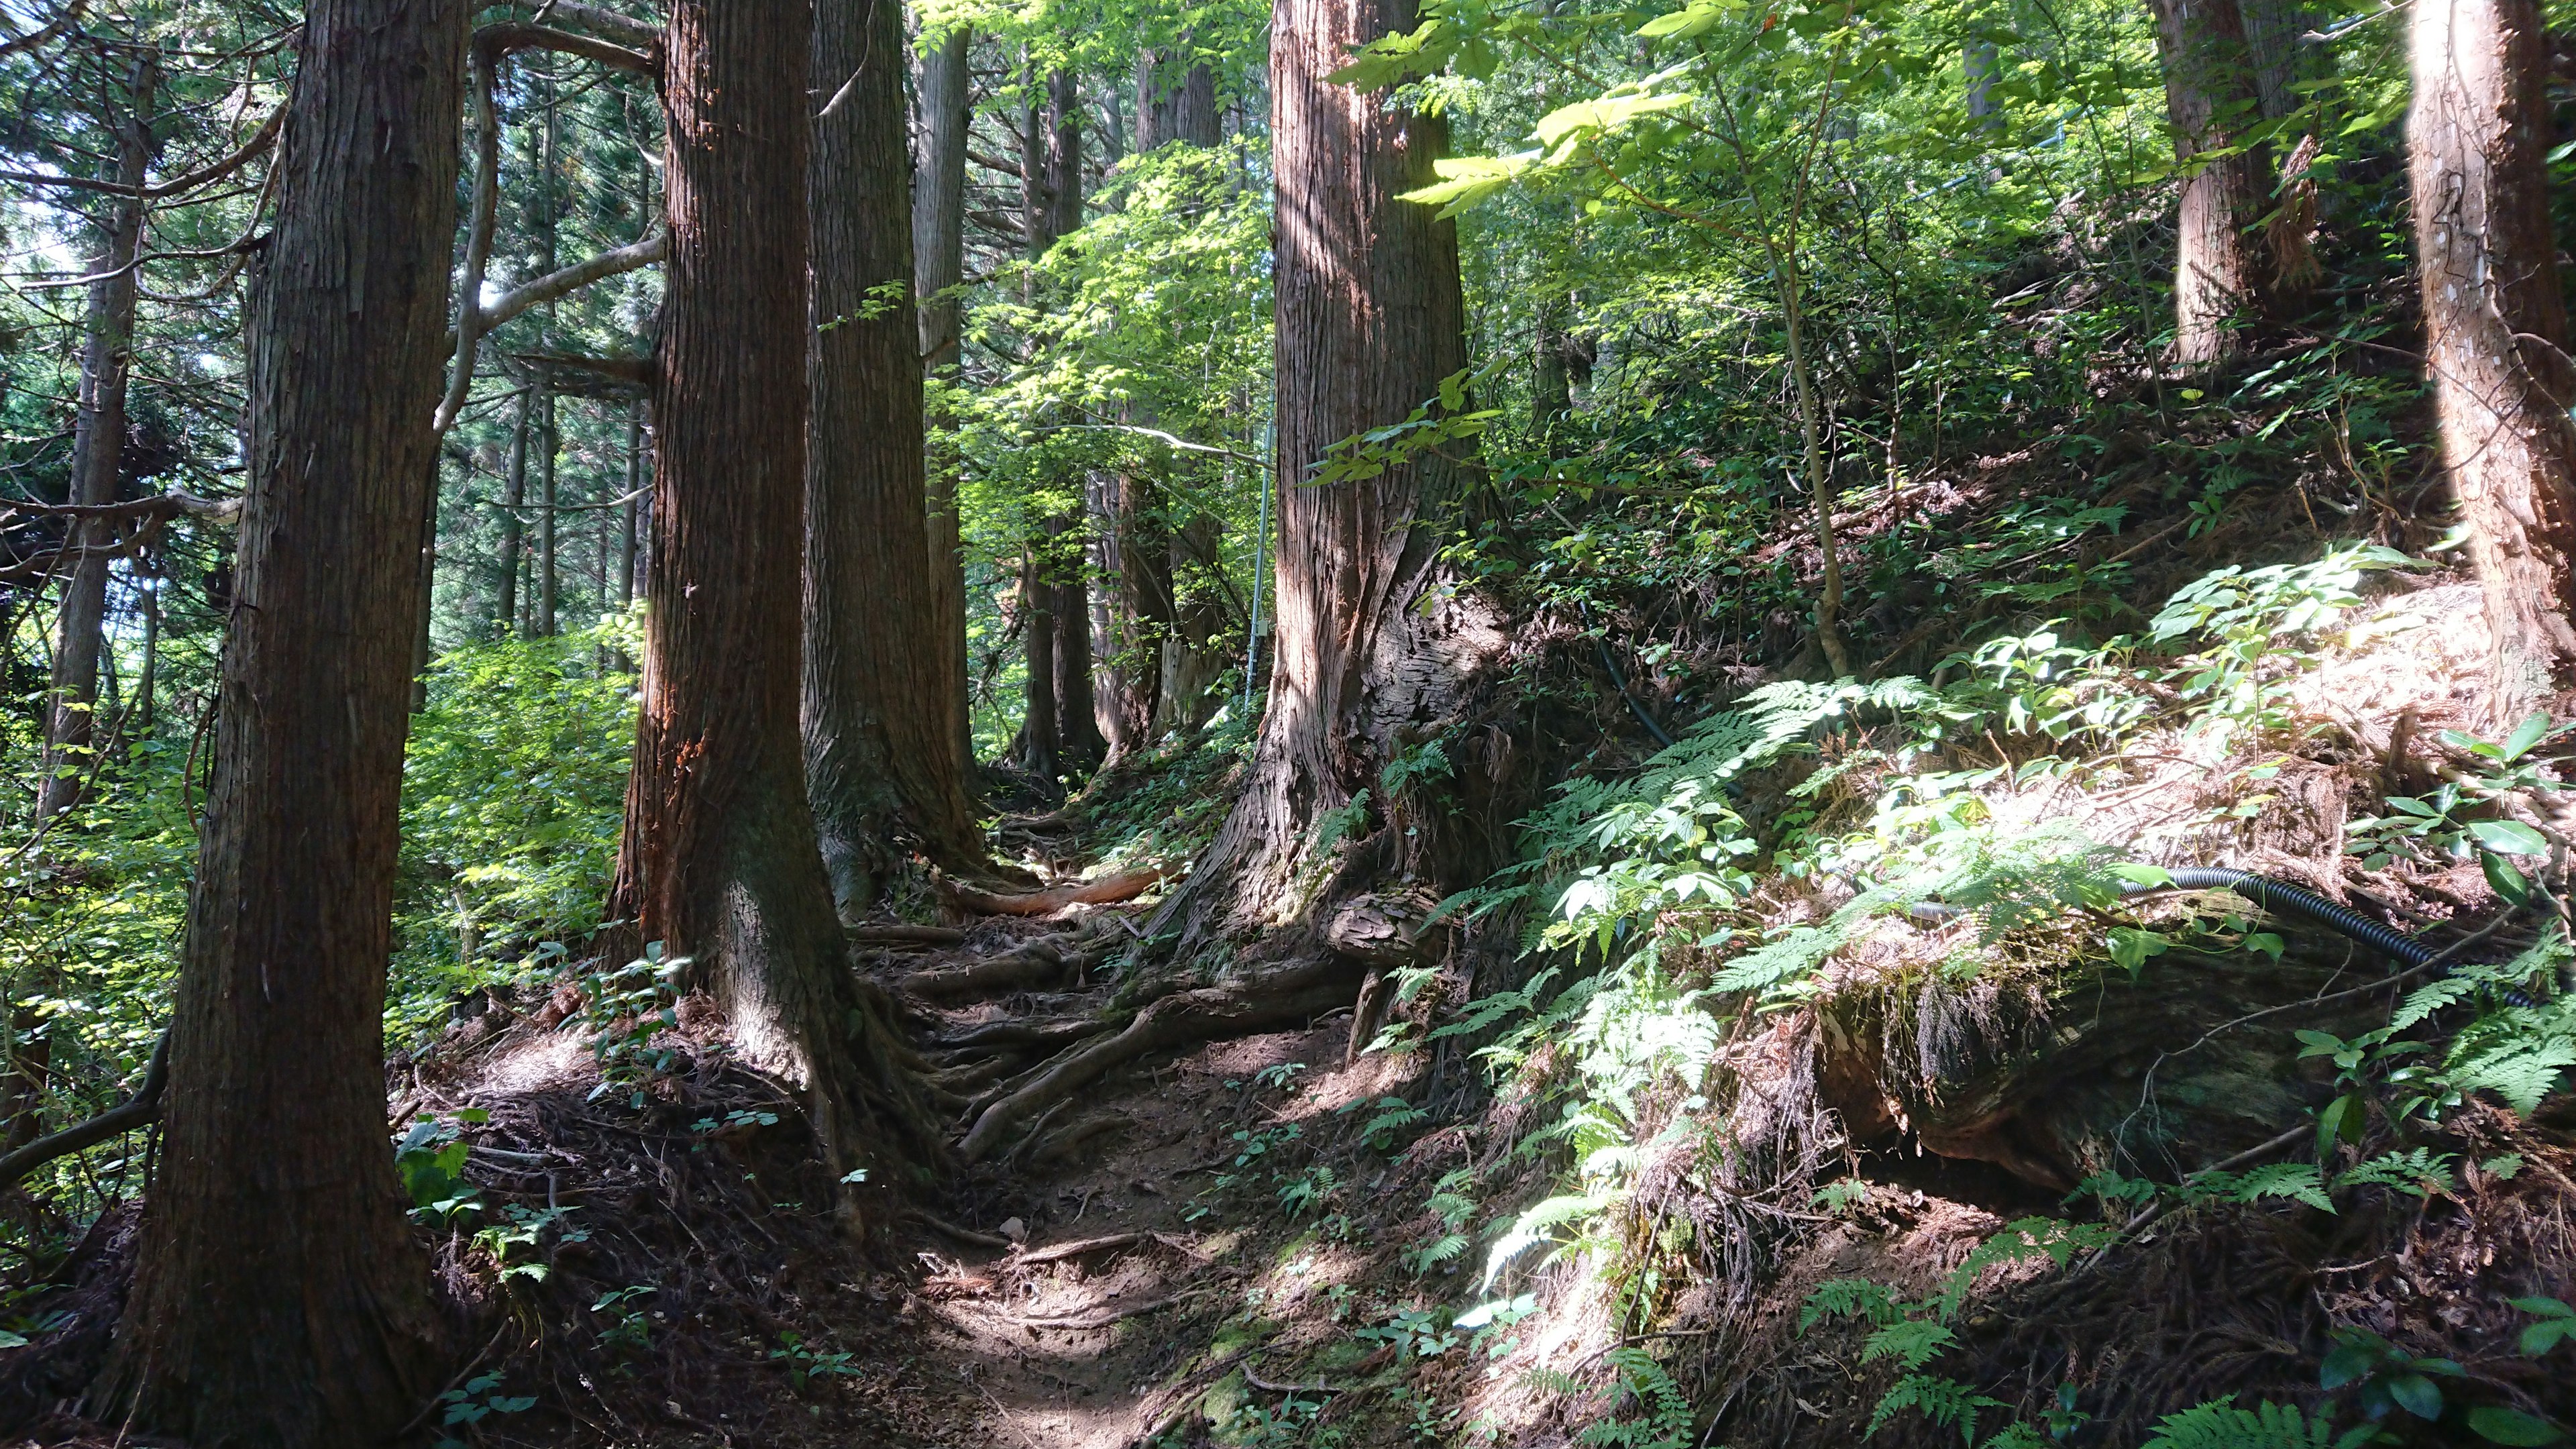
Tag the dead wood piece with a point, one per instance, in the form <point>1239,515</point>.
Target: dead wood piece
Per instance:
<point>1366,1015</point>
<point>1255,1003</point>
<point>900,935</point>
<point>965,1080</point>
<point>1086,1321</point>
<point>1058,1251</point>
<point>1125,885</point>
<point>954,1233</point>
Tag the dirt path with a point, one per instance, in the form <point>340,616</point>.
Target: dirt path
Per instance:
<point>1097,1277</point>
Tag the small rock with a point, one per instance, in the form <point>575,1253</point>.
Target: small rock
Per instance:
<point>1014,1229</point>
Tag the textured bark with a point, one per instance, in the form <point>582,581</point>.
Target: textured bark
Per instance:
<point>1373,652</point>
<point>719,860</point>
<point>1080,744</point>
<point>1136,566</point>
<point>98,442</point>
<point>1175,101</point>
<point>514,493</point>
<point>1194,652</point>
<point>2496,326</point>
<point>279,1298</point>
<point>1040,744</point>
<point>879,758</point>
<point>939,266</point>
<point>2210,100</point>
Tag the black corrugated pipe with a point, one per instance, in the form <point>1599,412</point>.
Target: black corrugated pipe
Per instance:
<point>2289,900</point>
<point>1603,642</point>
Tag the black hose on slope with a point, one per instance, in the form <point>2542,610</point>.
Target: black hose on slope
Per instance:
<point>2282,898</point>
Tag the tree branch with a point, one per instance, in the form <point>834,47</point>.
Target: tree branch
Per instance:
<point>625,30</point>
<point>141,1109</point>
<point>70,16</point>
<point>261,140</point>
<point>632,257</point>
<point>496,41</point>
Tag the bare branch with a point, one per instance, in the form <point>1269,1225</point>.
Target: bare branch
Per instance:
<point>71,16</point>
<point>624,29</point>
<point>496,41</point>
<point>261,140</point>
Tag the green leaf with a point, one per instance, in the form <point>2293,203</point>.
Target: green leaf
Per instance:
<point>1606,114</point>
<point>2531,731</point>
<point>2145,875</point>
<point>2509,837</point>
<point>2503,879</point>
<point>2416,1394</point>
<point>2499,1425</point>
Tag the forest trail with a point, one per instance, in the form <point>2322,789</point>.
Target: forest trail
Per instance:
<point>1083,1299</point>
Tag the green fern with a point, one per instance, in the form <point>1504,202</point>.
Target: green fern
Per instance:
<point>1944,1401</point>
<point>2219,1424</point>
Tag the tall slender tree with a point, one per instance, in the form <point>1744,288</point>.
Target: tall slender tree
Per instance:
<point>939,268</point>
<point>720,861</point>
<point>98,446</point>
<point>2212,102</point>
<point>2496,326</point>
<point>879,756</point>
<point>279,1298</point>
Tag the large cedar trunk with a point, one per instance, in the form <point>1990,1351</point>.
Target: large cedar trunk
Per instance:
<point>939,266</point>
<point>2210,99</point>
<point>279,1298</point>
<point>719,861</point>
<point>2496,326</point>
<point>98,443</point>
<point>880,761</point>
<point>1373,653</point>
<point>1039,743</point>
<point>1175,101</point>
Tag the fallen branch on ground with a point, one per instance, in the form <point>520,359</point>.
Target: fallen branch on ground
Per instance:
<point>1124,885</point>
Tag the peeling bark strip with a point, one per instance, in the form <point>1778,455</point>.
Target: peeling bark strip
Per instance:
<point>279,1299</point>
<point>879,756</point>
<point>1369,321</point>
<point>2210,98</point>
<point>2496,326</point>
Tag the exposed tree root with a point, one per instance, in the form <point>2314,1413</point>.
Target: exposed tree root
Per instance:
<point>1056,1033</point>
<point>1253,1003</point>
<point>1039,962</point>
<point>1125,885</point>
<point>902,935</point>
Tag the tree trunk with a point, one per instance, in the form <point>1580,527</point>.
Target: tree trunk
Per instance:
<point>2210,99</point>
<point>279,1298</point>
<point>939,267</point>
<point>1136,563</point>
<point>879,761</point>
<point>549,447</point>
<point>1374,650</point>
<point>626,515</point>
<point>1040,743</point>
<point>514,494</point>
<point>98,442</point>
<point>719,861</point>
<point>2496,327</point>
<point>1077,720</point>
<point>1194,650</point>
<point>1174,102</point>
